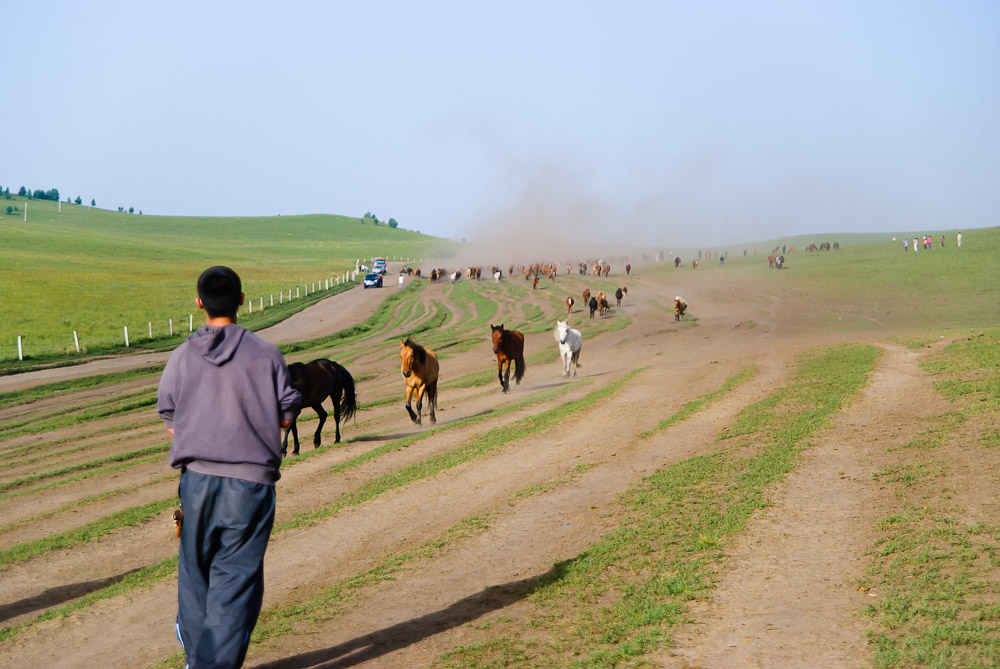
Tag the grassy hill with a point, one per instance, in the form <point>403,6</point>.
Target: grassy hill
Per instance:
<point>97,271</point>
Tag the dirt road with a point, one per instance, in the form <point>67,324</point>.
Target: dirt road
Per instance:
<point>785,598</point>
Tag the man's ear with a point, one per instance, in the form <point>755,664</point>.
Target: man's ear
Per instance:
<point>243,297</point>
<point>201,305</point>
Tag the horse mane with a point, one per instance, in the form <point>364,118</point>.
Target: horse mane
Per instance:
<point>419,352</point>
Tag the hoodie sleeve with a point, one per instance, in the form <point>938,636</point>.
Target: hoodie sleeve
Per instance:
<point>289,399</point>
<point>165,399</point>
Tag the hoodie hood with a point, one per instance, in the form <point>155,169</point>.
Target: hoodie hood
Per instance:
<point>217,345</point>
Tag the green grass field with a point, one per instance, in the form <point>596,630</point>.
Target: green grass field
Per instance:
<point>942,291</point>
<point>97,271</point>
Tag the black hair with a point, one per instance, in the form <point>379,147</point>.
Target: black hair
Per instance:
<point>220,289</point>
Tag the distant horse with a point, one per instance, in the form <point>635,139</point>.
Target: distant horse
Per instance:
<point>419,367</point>
<point>779,262</point>
<point>836,246</point>
<point>509,347</point>
<point>628,269</point>
<point>770,261</point>
<point>812,247</point>
<point>694,264</point>
<point>677,262</point>
<point>593,306</point>
<point>618,296</point>
<point>825,246</point>
<point>569,305</point>
<point>792,249</point>
<point>570,344</point>
<point>318,380</point>
<point>455,276</point>
<point>602,303</point>
<point>497,275</point>
<point>680,306</point>
<point>586,295</point>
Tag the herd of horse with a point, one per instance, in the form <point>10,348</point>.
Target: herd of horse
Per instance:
<point>323,378</point>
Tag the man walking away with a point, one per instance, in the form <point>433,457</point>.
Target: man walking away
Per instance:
<point>224,397</point>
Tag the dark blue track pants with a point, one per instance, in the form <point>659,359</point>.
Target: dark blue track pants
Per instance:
<point>220,578</point>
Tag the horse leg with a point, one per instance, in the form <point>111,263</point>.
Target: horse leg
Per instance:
<point>317,439</point>
<point>420,404</point>
<point>295,436</point>
<point>414,417</point>
<point>431,398</point>
<point>505,381</point>
<point>336,419</point>
<point>284,443</point>
<point>500,374</point>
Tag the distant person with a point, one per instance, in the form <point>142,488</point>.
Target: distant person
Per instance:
<point>905,243</point>
<point>960,240</point>
<point>942,241</point>
<point>916,244</point>
<point>401,280</point>
<point>722,260</point>
<point>224,397</point>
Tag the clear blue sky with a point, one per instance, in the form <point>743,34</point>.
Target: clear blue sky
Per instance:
<point>668,123</point>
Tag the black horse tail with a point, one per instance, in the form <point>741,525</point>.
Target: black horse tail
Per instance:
<point>349,403</point>
<point>519,369</point>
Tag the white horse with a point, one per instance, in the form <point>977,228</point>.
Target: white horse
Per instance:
<point>570,343</point>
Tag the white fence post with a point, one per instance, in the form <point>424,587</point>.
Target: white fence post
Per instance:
<point>150,329</point>
<point>171,322</point>
<point>272,299</point>
<point>296,293</point>
<point>76,341</point>
<point>20,351</point>
<point>126,336</point>
<point>262,303</point>
<point>190,322</point>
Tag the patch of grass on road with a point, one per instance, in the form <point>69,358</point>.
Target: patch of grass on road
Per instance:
<point>935,566</point>
<point>616,602</point>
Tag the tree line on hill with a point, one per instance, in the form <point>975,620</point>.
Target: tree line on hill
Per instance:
<point>372,217</point>
<point>51,194</point>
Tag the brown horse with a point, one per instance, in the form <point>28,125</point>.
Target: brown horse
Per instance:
<point>619,294</point>
<point>509,347</point>
<point>318,380</point>
<point>586,295</point>
<point>569,305</point>
<point>680,306</point>
<point>419,366</point>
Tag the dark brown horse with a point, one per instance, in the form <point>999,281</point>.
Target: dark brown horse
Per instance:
<point>318,380</point>
<point>509,347</point>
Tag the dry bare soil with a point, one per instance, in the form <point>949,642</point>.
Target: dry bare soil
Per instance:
<point>786,595</point>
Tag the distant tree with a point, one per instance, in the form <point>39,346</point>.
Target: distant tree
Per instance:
<point>140,212</point>
<point>120,209</point>
<point>131,210</point>
<point>393,224</point>
<point>93,202</point>
<point>23,191</point>
<point>78,200</point>
<point>67,199</point>
<point>368,214</point>
<point>10,210</point>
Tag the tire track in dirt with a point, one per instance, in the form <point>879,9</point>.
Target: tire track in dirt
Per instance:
<point>787,596</point>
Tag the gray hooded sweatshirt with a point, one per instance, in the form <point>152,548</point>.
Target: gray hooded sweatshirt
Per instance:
<point>225,392</point>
